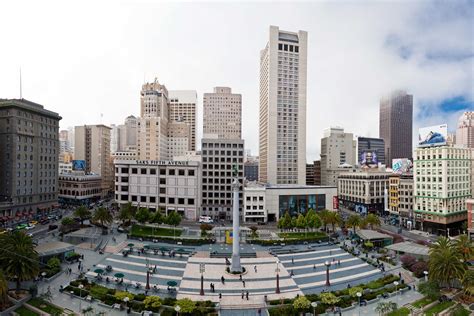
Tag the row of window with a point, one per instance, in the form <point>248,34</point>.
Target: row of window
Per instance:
<point>162,171</point>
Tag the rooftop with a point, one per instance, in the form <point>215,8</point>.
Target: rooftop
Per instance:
<point>53,248</point>
<point>409,247</point>
<point>367,234</point>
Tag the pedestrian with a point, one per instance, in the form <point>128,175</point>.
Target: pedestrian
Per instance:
<point>242,294</point>
<point>222,280</point>
<point>293,260</point>
<point>314,266</point>
<point>400,275</point>
<point>243,282</point>
<point>220,295</point>
<point>247,295</point>
<point>255,268</point>
<point>338,262</point>
<point>240,277</point>
<point>330,252</point>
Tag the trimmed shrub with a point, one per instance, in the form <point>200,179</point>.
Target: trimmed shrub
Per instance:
<point>407,261</point>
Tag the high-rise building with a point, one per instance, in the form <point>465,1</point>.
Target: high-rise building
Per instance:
<point>222,114</point>
<point>465,130</point>
<point>70,136</point>
<point>317,172</point>
<point>29,150</point>
<point>401,198</point>
<point>183,108</point>
<point>152,140</point>
<point>310,174</point>
<point>442,184</point>
<point>470,218</point>
<point>130,141</point>
<point>396,125</point>
<point>219,158</point>
<point>338,151</point>
<point>372,145</point>
<point>93,146</point>
<point>179,136</point>
<point>282,126</point>
<point>251,170</point>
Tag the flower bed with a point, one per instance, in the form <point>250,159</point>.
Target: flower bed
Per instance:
<point>438,308</point>
<point>45,306</point>
<point>23,311</point>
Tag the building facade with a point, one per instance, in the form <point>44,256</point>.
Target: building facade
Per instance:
<point>396,125</point>
<point>317,172</point>
<point>470,218</point>
<point>220,157</point>
<point>465,130</point>
<point>79,188</point>
<point>251,170</point>
<point>160,185</point>
<point>92,144</point>
<point>267,203</point>
<point>338,149</point>
<point>364,191</point>
<point>222,114</point>
<point>29,150</point>
<point>282,119</point>
<point>401,198</point>
<point>443,183</point>
<point>183,108</point>
<point>373,145</point>
<point>310,174</point>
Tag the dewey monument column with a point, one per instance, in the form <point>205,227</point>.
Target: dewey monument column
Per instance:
<point>235,266</point>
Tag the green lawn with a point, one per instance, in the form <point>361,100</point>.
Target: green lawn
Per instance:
<point>45,306</point>
<point>400,312</point>
<point>141,231</point>
<point>422,302</point>
<point>460,311</point>
<point>438,308</point>
<point>301,235</point>
<point>23,311</point>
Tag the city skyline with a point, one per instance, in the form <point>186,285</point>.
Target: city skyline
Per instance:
<point>344,76</point>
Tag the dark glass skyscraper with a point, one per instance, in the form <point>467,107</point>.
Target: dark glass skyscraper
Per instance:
<point>396,125</point>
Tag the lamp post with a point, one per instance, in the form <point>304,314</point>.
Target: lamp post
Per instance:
<point>396,288</point>
<point>80,297</point>
<point>327,264</point>
<point>426,275</point>
<point>314,305</point>
<point>147,273</point>
<point>202,269</point>
<point>125,300</point>
<point>177,309</point>
<point>277,270</point>
<point>359,295</point>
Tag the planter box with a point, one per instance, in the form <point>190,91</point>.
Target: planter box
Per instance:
<point>374,300</point>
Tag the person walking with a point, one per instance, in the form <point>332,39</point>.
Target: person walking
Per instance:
<point>242,294</point>
<point>243,282</point>
<point>247,295</point>
<point>255,268</point>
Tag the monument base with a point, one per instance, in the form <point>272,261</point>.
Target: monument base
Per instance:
<point>235,266</point>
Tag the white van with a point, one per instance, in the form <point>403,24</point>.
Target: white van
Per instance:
<point>205,219</point>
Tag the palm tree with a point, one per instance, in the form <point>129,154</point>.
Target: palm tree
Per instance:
<point>465,247</point>
<point>468,282</point>
<point>383,308</point>
<point>3,292</point>
<point>372,220</point>
<point>83,213</point>
<point>445,263</point>
<point>18,257</point>
<point>126,213</point>
<point>354,221</point>
<point>103,216</point>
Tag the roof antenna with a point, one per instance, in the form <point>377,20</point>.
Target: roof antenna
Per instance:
<point>21,94</point>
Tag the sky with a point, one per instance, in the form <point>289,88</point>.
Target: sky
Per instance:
<point>87,58</point>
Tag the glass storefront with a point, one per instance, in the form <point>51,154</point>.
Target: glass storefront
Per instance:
<point>300,204</point>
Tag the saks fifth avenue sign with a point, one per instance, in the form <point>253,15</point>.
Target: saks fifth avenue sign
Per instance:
<point>162,163</point>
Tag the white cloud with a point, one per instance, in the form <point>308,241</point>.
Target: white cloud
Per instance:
<point>91,58</point>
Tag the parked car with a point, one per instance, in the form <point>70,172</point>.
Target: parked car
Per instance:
<point>205,219</point>
<point>44,221</point>
<point>52,227</point>
<point>28,227</point>
<point>34,223</point>
<point>21,226</point>
<point>120,229</point>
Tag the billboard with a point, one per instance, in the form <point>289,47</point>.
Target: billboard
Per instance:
<point>401,165</point>
<point>369,158</point>
<point>433,135</point>
<point>335,202</point>
<point>79,165</point>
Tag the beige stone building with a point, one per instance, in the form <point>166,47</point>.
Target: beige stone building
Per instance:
<point>465,130</point>
<point>179,136</point>
<point>282,125</point>
<point>222,114</point>
<point>92,144</point>
<point>183,108</point>
<point>401,198</point>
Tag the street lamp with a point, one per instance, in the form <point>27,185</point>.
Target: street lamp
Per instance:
<point>177,309</point>
<point>277,270</point>
<point>327,264</point>
<point>314,305</point>
<point>396,288</point>
<point>202,269</point>
<point>359,295</point>
<point>80,297</point>
<point>125,300</point>
<point>426,275</point>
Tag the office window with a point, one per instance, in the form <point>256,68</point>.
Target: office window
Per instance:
<point>181,172</point>
<point>134,171</point>
<point>171,200</point>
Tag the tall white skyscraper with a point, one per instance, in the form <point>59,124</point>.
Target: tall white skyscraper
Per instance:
<point>282,143</point>
<point>222,114</point>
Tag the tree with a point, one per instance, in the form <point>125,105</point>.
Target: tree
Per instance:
<point>314,221</point>
<point>4,301</point>
<point>430,289</point>
<point>173,219</point>
<point>126,213</point>
<point>120,295</point>
<point>143,215</point>
<point>187,306</point>
<point>419,267</point>
<point>158,218</point>
<point>384,308</point>
<point>324,215</point>
<point>18,257</point>
<point>354,221</point>
<point>467,282</point>
<point>354,290</point>
<point>54,264</point>
<point>301,221</point>
<point>445,262</point>
<point>329,298</point>
<point>83,213</point>
<point>67,221</point>
<point>103,216</point>
<point>152,302</point>
<point>286,223</point>
<point>407,261</point>
<point>333,219</point>
<point>301,303</point>
<point>372,220</point>
<point>465,247</point>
